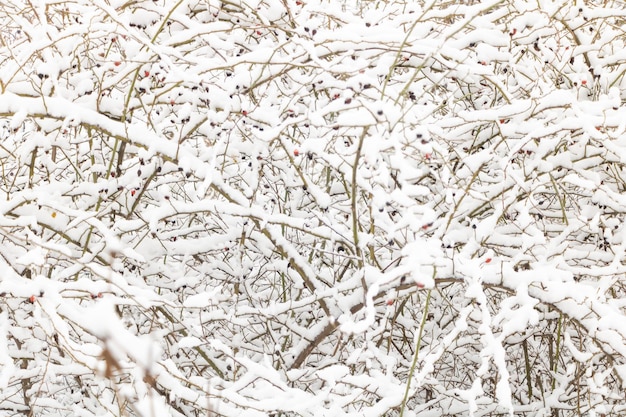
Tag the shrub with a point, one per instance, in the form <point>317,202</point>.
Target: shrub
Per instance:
<point>314,208</point>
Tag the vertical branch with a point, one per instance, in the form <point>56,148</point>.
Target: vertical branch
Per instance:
<point>418,344</point>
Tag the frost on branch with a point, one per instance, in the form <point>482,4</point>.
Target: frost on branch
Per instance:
<point>312,208</point>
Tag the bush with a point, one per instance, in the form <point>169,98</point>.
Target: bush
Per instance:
<point>312,208</point>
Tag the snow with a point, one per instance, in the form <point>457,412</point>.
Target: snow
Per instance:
<point>242,207</point>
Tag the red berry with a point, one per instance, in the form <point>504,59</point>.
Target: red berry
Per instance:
<point>296,152</point>
<point>146,73</point>
<point>487,260</point>
<point>298,3</point>
<point>420,285</point>
<point>117,63</point>
<point>132,192</point>
<point>244,112</point>
<point>583,82</point>
<point>32,299</point>
<point>389,302</point>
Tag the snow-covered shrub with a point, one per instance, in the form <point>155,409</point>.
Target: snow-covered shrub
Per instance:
<point>312,208</point>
